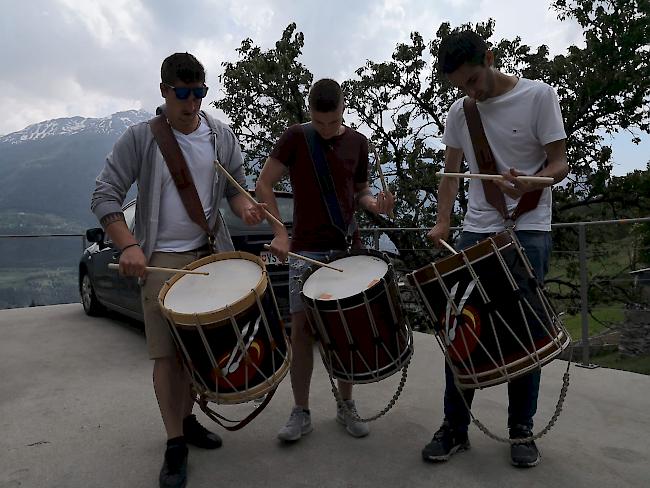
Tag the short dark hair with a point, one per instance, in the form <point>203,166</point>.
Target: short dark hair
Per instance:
<point>325,95</point>
<point>182,67</point>
<point>459,48</point>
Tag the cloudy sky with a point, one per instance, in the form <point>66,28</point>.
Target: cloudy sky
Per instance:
<point>62,58</point>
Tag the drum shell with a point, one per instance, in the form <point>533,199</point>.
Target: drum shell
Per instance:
<point>206,339</point>
<point>359,342</point>
<point>507,333</point>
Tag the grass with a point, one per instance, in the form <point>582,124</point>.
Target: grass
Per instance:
<point>600,321</point>
<point>635,364</point>
<point>603,320</point>
<point>610,258</point>
<point>21,287</point>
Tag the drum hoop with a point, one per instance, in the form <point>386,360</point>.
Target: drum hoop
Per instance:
<point>214,317</point>
<point>345,254</point>
<point>451,264</point>
<point>516,368</point>
<point>373,376</point>
<point>243,396</point>
<point>352,301</point>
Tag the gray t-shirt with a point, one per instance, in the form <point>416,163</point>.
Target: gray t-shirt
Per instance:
<point>136,158</point>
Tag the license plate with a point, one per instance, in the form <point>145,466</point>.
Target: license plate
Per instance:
<point>268,258</point>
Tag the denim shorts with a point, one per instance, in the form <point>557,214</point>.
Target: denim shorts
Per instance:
<point>297,268</point>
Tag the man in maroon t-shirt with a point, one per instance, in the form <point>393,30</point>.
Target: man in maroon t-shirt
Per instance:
<point>314,234</point>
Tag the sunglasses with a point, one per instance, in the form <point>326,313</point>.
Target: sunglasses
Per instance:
<point>183,92</point>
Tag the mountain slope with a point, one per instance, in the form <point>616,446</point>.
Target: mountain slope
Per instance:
<point>49,169</point>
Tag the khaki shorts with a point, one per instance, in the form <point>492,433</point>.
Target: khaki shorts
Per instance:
<point>160,343</point>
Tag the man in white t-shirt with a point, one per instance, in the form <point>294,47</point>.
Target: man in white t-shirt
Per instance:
<point>166,236</point>
<point>523,125</point>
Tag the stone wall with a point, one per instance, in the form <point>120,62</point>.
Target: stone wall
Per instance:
<point>635,331</point>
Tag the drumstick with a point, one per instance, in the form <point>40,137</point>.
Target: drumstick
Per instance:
<point>244,192</point>
<point>166,270</point>
<point>481,176</point>
<point>448,246</point>
<point>309,260</point>
<point>381,175</point>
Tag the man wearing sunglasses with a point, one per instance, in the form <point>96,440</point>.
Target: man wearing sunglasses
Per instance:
<point>166,236</point>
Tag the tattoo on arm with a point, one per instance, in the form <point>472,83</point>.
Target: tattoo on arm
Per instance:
<point>108,219</point>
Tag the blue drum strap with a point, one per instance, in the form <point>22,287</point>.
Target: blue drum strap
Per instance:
<point>324,177</point>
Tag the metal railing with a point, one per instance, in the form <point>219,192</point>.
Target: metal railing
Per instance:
<point>84,242</point>
<point>39,269</point>
<point>584,282</point>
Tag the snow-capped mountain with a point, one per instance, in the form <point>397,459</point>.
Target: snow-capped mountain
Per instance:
<point>48,171</point>
<point>115,124</point>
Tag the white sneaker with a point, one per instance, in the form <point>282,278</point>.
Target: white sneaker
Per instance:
<point>352,425</point>
<point>299,424</point>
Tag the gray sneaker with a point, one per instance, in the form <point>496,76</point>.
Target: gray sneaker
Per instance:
<point>299,424</point>
<point>353,426</point>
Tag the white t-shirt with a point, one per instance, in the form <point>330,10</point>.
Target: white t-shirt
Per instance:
<point>176,231</point>
<point>518,124</point>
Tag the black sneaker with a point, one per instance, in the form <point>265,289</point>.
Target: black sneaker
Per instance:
<point>174,470</point>
<point>523,455</point>
<point>445,442</point>
<point>199,436</point>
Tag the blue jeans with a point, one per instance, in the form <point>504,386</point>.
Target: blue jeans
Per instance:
<point>524,390</point>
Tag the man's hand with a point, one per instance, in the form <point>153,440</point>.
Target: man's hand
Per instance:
<point>383,203</point>
<point>440,231</point>
<point>280,246</point>
<point>133,262</point>
<point>514,187</point>
<point>253,214</point>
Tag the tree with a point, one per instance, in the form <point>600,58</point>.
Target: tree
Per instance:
<point>603,88</point>
<point>401,104</point>
<point>265,92</point>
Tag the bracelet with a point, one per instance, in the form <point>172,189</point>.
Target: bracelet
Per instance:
<point>130,245</point>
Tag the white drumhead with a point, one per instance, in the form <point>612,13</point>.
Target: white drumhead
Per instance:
<point>229,281</point>
<point>359,274</point>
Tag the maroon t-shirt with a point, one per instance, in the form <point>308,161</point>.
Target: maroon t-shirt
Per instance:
<point>347,158</point>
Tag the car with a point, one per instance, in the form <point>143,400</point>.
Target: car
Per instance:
<point>103,289</point>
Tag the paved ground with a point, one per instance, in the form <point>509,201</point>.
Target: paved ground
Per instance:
<point>77,410</point>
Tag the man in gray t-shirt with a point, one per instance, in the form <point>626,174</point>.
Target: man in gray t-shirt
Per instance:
<point>166,236</point>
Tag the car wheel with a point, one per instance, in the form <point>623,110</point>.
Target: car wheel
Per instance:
<point>89,300</point>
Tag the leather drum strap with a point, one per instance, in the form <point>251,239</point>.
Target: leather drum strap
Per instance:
<point>487,165</point>
<point>179,171</point>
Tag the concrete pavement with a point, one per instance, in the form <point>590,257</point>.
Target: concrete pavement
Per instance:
<point>77,409</point>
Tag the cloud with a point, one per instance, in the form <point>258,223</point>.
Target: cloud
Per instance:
<point>109,23</point>
<point>94,58</point>
<point>74,57</point>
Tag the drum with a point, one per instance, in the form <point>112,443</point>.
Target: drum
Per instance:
<point>227,327</point>
<point>357,317</point>
<point>490,316</point>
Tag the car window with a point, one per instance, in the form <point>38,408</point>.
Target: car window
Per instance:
<point>285,205</point>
